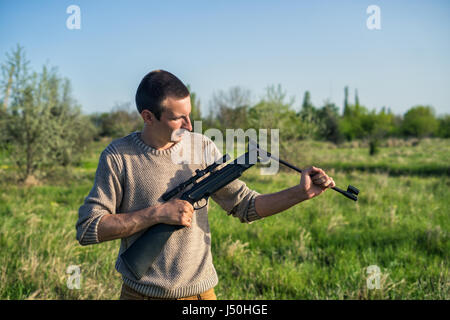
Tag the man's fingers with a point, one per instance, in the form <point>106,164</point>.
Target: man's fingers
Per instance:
<point>189,207</point>
<point>327,184</point>
<point>186,221</point>
<point>185,206</point>
<point>319,179</point>
<point>330,183</point>
<point>185,212</point>
<point>186,216</point>
<point>314,171</point>
<point>333,184</point>
<point>324,181</point>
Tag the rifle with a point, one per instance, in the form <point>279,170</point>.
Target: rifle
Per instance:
<point>351,192</point>
<point>143,252</point>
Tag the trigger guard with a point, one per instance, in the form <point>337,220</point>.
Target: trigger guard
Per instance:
<point>198,208</point>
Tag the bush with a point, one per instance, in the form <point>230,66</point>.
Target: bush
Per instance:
<point>420,122</point>
<point>118,123</point>
<point>444,127</point>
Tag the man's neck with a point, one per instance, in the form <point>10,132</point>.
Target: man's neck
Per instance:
<point>150,140</point>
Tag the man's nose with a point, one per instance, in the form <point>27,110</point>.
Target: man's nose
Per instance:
<point>187,124</point>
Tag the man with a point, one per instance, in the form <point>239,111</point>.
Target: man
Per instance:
<point>135,171</point>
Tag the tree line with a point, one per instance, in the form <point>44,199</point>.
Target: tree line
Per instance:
<point>324,122</point>
<point>41,124</point>
<point>232,108</point>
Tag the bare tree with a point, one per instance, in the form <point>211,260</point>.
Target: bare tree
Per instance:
<point>231,107</point>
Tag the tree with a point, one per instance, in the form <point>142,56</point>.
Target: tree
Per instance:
<point>196,113</point>
<point>69,131</point>
<point>444,126</point>
<point>376,127</point>
<point>14,71</point>
<point>309,123</point>
<point>119,122</point>
<point>345,100</point>
<point>356,98</point>
<point>21,127</point>
<point>307,105</point>
<point>420,121</point>
<point>328,119</point>
<point>274,112</point>
<point>351,124</point>
<point>231,108</point>
<point>42,126</point>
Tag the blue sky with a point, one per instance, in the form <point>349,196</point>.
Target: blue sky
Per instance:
<point>320,46</point>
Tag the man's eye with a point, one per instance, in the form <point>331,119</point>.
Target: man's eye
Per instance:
<point>179,118</point>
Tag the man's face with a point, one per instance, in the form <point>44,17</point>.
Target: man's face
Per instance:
<point>174,119</point>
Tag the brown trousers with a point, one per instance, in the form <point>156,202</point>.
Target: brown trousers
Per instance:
<point>128,293</point>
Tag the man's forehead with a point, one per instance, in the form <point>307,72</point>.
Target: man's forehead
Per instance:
<point>176,107</point>
<point>172,112</point>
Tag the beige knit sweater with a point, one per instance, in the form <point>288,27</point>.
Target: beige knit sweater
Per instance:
<point>131,176</point>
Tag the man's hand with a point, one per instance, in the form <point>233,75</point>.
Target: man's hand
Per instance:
<point>314,181</point>
<point>176,212</point>
<point>117,226</point>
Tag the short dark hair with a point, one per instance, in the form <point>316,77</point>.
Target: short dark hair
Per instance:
<point>157,86</point>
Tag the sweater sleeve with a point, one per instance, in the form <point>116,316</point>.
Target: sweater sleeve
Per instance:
<point>104,198</point>
<point>238,200</point>
<point>235,198</point>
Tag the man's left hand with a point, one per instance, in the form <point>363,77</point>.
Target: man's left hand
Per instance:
<point>314,181</point>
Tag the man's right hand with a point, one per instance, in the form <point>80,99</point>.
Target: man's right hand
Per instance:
<point>176,212</point>
<point>116,226</point>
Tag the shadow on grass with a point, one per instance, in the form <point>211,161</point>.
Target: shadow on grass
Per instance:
<point>420,170</point>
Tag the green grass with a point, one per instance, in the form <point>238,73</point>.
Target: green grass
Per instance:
<point>424,157</point>
<point>319,249</point>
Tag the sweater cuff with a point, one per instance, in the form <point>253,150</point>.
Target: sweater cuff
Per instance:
<point>252,215</point>
<point>91,234</point>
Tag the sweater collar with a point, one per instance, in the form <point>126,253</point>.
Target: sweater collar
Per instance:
<point>137,138</point>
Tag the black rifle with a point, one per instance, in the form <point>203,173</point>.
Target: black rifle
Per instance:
<point>351,192</point>
<point>144,251</point>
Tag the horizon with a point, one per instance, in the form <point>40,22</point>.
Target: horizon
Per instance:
<point>319,47</point>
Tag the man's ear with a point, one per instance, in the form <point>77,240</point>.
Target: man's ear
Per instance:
<point>148,116</point>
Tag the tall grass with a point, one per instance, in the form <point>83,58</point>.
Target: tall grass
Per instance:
<point>320,249</point>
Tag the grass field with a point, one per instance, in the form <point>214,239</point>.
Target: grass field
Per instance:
<point>320,249</point>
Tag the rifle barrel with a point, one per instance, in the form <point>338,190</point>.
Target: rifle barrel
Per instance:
<point>348,194</point>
